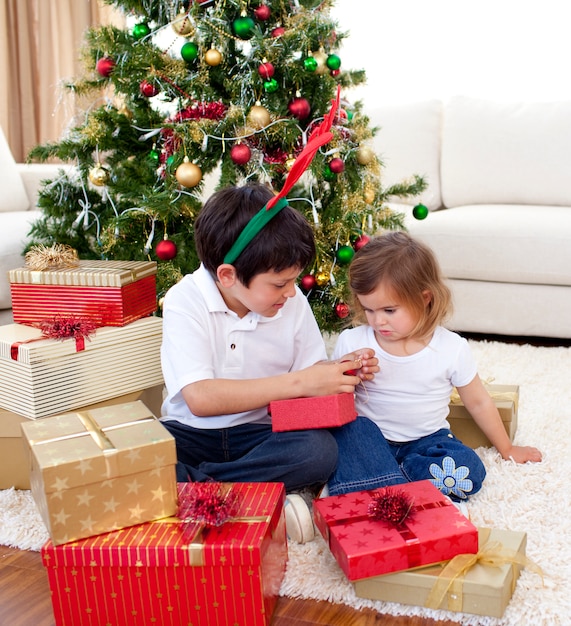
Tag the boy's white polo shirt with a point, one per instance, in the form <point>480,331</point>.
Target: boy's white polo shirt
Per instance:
<point>204,339</point>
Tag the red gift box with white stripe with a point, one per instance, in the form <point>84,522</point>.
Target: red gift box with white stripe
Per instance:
<point>110,293</point>
<point>434,531</point>
<point>171,573</point>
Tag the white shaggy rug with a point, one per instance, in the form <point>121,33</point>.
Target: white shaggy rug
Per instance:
<point>531,498</point>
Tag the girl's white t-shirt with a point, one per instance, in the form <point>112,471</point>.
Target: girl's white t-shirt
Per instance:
<point>409,397</point>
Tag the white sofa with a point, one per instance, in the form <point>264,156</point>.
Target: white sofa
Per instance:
<point>19,186</point>
<point>499,194</point>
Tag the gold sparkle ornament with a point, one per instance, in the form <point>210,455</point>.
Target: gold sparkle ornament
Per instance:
<point>321,57</point>
<point>322,278</point>
<point>364,155</point>
<point>259,116</point>
<point>369,196</point>
<point>188,174</point>
<point>182,25</point>
<point>98,175</point>
<point>213,57</point>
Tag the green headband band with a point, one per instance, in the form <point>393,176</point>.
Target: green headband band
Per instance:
<point>252,228</point>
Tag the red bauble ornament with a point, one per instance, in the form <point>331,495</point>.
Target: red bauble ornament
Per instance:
<point>240,154</point>
<point>148,89</point>
<point>361,241</point>
<point>308,282</point>
<point>105,66</point>
<point>166,250</point>
<point>342,310</point>
<point>300,108</point>
<point>278,31</point>
<point>337,165</point>
<point>266,70</point>
<point>262,12</point>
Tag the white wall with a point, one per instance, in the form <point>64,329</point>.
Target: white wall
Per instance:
<point>420,49</point>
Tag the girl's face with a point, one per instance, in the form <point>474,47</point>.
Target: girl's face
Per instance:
<point>391,320</point>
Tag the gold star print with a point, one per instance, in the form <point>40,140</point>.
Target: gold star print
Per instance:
<point>134,455</point>
<point>92,563</point>
<point>111,505</point>
<point>133,487</point>
<point>60,484</point>
<point>87,524</point>
<point>67,589</point>
<point>84,466</point>
<point>158,494</point>
<point>108,483</point>
<point>137,512</point>
<point>61,517</point>
<point>84,498</point>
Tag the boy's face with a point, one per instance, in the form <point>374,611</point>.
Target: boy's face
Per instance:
<point>266,294</point>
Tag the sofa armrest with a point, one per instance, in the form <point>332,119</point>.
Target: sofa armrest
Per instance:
<point>34,174</point>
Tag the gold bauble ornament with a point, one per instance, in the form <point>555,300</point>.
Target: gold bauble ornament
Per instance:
<point>289,163</point>
<point>369,196</point>
<point>188,174</point>
<point>182,25</point>
<point>322,278</point>
<point>259,116</point>
<point>364,155</point>
<point>98,175</point>
<point>213,57</point>
<point>321,57</point>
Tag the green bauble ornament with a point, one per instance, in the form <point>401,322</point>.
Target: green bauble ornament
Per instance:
<point>154,157</point>
<point>420,212</point>
<point>310,64</point>
<point>345,254</point>
<point>328,174</point>
<point>141,30</point>
<point>333,62</point>
<point>243,27</point>
<point>271,86</point>
<point>189,52</point>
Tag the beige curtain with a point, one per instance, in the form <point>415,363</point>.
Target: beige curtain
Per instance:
<point>40,42</point>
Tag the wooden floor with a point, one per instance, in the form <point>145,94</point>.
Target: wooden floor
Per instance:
<point>25,601</point>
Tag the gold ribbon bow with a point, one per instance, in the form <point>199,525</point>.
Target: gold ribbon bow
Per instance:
<point>451,579</point>
<point>498,396</point>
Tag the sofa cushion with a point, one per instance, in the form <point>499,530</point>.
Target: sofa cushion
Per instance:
<point>506,153</point>
<point>508,243</point>
<point>14,229</point>
<point>13,196</point>
<point>408,143</point>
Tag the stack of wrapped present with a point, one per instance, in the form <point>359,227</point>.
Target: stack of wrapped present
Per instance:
<point>83,337</point>
<point>410,544</point>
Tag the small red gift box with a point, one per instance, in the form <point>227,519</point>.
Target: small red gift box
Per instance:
<point>110,293</point>
<point>315,412</point>
<point>434,531</point>
<point>172,574</point>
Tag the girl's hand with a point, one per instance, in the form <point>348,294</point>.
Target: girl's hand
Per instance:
<point>367,363</point>
<point>523,454</point>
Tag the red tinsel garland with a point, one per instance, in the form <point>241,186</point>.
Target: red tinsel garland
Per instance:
<point>391,505</point>
<point>67,327</point>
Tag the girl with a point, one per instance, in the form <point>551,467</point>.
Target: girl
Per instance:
<point>399,292</point>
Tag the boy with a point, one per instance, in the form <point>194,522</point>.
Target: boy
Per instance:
<point>237,334</point>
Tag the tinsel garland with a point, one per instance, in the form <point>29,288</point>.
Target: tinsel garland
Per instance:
<point>56,256</point>
<point>71,327</point>
<point>391,505</point>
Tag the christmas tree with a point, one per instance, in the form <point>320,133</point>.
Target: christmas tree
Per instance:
<point>227,87</point>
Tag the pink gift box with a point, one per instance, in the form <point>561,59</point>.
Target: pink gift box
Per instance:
<point>315,412</point>
<point>434,531</point>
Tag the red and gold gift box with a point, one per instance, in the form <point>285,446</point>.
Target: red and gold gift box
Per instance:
<point>159,573</point>
<point>101,470</point>
<point>433,531</point>
<point>480,584</point>
<point>316,412</point>
<point>110,293</point>
<point>462,424</point>
<point>42,376</point>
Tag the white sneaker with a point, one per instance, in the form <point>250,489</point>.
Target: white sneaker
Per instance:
<point>299,522</point>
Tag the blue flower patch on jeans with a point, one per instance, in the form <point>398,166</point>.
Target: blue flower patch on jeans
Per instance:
<point>451,480</point>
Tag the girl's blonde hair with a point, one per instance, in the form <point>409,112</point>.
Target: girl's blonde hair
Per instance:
<point>410,270</point>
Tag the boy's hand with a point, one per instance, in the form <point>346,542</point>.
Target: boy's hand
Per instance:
<point>366,363</point>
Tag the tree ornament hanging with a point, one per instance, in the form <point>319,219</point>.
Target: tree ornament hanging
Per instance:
<point>369,195</point>
<point>420,212</point>
<point>98,175</point>
<point>189,51</point>
<point>243,27</point>
<point>266,70</point>
<point>148,89</point>
<point>182,25</point>
<point>362,240</point>
<point>321,57</point>
<point>333,62</point>
<point>262,12</point>
<point>308,282</point>
<point>342,310</point>
<point>240,154</point>
<point>141,30</point>
<point>322,278</point>
<point>105,66</point>
<point>188,174</point>
<point>213,57</point>
<point>278,31</point>
<point>299,108</point>
<point>337,165</point>
<point>364,155</point>
<point>166,249</point>
<point>345,254</point>
<point>258,116</point>
<point>328,174</point>
<point>271,86</point>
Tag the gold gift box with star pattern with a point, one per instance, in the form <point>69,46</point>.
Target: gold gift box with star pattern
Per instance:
<point>101,470</point>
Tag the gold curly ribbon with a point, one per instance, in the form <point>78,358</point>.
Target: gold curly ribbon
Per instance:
<point>451,579</point>
<point>498,396</point>
<point>56,256</point>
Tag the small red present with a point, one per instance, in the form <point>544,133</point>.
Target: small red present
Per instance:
<point>433,531</point>
<point>110,293</point>
<point>174,573</point>
<point>314,412</point>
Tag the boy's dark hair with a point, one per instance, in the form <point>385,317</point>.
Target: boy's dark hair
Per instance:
<point>286,241</point>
